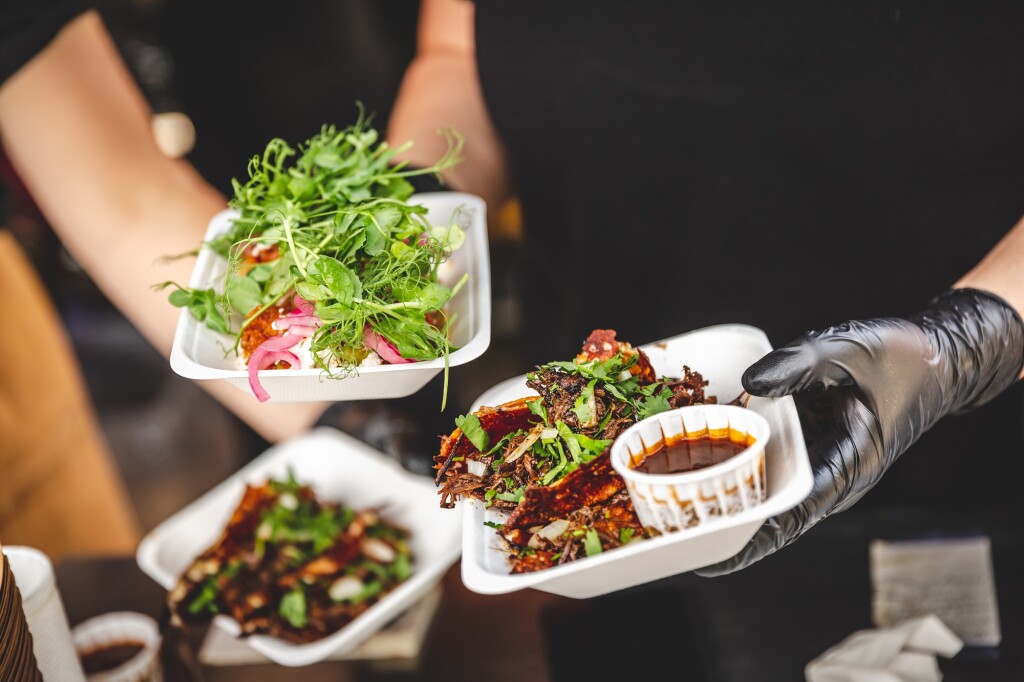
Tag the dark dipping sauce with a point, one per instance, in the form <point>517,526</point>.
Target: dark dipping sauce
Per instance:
<point>109,657</point>
<point>691,454</point>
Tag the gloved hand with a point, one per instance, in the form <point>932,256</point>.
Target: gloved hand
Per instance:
<point>868,389</point>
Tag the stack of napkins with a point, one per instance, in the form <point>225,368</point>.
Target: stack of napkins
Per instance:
<point>950,577</point>
<point>900,653</point>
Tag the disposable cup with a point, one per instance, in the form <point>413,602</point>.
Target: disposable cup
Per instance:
<point>44,614</point>
<point>17,662</point>
<point>677,502</point>
<point>122,627</point>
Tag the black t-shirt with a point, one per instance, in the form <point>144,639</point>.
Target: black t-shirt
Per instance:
<point>26,27</point>
<point>789,165</point>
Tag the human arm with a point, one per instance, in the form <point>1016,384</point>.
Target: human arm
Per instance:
<point>868,389</point>
<point>77,130</point>
<point>1001,271</point>
<point>440,89</point>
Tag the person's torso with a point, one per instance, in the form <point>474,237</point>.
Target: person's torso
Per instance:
<point>786,165</point>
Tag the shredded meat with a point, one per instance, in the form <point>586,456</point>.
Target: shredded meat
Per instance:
<point>256,563</point>
<point>590,497</point>
<point>614,521</point>
<point>689,390</point>
<point>559,391</point>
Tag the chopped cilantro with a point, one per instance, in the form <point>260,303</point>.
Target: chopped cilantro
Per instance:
<point>625,534</point>
<point>372,589</point>
<point>501,443</point>
<point>470,425</point>
<point>570,441</point>
<point>513,496</point>
<point>402,568</point>
<point>593,446</point>
<point>206,601</point>
<point>583,408</point>
<point>293,607</point>
<point>289,485</point>
<point>655,404</point>
<point>537,407</point>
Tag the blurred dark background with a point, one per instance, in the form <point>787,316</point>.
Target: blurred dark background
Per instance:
<point>244,73</point>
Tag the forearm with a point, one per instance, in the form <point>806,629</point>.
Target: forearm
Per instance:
<point>1001,271</point>
<point>78,132</point>
<point>441,90</point>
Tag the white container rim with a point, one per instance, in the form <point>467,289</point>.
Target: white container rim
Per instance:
<point>32,586</point>
<point>114,627</point>
<point>620,456</point>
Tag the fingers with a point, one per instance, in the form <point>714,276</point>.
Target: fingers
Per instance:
<point>847,458</point>
<point>812,362</point>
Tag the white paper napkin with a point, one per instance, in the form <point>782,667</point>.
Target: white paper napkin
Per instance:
<point>900,653</point>
<point>950,577</point>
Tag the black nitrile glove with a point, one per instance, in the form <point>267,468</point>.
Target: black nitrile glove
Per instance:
<point>868,389</point>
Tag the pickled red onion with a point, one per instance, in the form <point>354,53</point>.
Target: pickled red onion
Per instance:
<point>301,330</point>
<point>302,305</point>
<point>279,342</point>
<point>286,321</point>
<point>268,353</point>
<point>273,357</point>
<point>387,351</point>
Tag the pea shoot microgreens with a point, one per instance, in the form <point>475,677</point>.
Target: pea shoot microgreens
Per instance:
<point>348,240</point>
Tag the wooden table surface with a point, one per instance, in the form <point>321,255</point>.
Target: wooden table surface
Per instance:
<point>763,623</point>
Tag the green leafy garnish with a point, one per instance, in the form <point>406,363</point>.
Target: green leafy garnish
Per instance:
<point>513,495</point>
<point>538,408</point>
<point>293,607</point>
<point>206,600</point>
<point>655,404</point>
<point>204,304</point>
<point>470,425</point>
<point>402,567</point>
<point>591,542</point>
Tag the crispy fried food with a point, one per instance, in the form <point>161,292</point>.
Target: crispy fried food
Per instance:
<point>589,485</point>
<point>613,522</point>
<point>456,448</point>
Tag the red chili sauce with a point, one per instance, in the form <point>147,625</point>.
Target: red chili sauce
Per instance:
<point>109,656</point>
<point>693,453</point>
